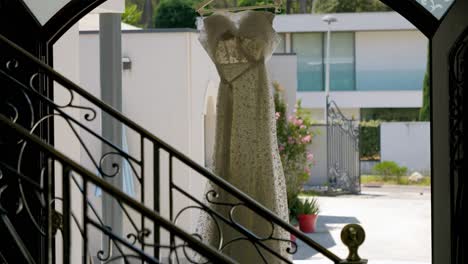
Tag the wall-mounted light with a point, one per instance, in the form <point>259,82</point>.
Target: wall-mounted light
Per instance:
<point>126,63</point>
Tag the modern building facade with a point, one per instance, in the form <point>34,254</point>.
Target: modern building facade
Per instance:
<point>377,60</point>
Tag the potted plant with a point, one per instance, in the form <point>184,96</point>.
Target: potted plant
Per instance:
<point>307,214</point>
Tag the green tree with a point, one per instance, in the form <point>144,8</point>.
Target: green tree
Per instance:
<point>390,168</point>
<point>390,114</point>
<point>147,14</point>
<point>255,2</point>
<point>425,112</point>
<point>147,9</point>
<point>298,6</point>
<point>175,14</point>
<point>132,15</point>
<point>349,6</point>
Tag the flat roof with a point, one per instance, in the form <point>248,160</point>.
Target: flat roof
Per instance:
<point>368,21</point>
<point>147,31</point>
<point>90,22</point>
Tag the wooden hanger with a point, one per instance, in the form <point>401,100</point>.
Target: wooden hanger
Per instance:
<point>200,8</point>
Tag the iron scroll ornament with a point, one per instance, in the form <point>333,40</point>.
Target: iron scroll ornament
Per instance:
<point>71,171</point>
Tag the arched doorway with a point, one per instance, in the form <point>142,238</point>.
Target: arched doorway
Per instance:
<point>445,31</point>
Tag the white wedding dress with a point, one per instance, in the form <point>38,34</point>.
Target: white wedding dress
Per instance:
<point>246,152</point>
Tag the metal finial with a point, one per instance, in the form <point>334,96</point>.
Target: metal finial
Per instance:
<point>353,236</point>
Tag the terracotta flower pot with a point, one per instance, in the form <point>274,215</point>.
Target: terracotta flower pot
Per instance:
<point>307,223</point>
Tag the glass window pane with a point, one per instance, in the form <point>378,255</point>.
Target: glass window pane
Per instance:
<point>45,10</point>
<point>436,7</point>
<point>342,61</point>
<point>309,50</point>
<point>281,47</point>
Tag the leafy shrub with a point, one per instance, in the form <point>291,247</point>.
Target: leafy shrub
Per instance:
<point>256,2</point>
<point>390,168</point>
<point>369,140</point>
<point>132,15</point>
<point>403,180</point>
<point>308,207</point>
<point>347,6</point>
<point>175,14</point>
<point>294,136</point>
<point>390,114</point>
<point>294,207</point>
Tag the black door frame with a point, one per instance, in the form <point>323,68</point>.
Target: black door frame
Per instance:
<point>19,25</point>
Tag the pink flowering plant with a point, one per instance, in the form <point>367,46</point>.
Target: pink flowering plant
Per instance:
<point>294,137</point>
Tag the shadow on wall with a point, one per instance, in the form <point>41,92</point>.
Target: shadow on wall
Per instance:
<point>322,234</point>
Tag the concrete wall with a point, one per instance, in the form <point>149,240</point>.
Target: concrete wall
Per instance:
<point>367,166</point>
<point>165,91</point>
<point>66,61</point>
<point>408,144</point>
<point>364,99</point>
<point>318,175</point>
<point>283,69</point>
<point>390,60</point>
<point>318,114</point>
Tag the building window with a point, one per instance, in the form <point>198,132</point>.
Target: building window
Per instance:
<point>310,68</point>
<point>281,46</point>
<point>342,73</point>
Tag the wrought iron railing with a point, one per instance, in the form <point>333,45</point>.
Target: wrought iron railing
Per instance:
<point>343,164</point>
<point>155,165</point>
<point>84,217</point>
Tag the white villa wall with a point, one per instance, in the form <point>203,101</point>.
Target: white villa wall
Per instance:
<point>408,144</point>
<point>390,60</point>
<point>318,114</point>
<point>283,69</point>
<point>405,49</point>
<point>66,61</point>
<point>363,99</point>
<point>318,174</point>
<point>165,91</point>
<point>203,85</point>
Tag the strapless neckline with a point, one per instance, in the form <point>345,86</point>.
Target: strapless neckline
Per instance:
<point>230,19</point>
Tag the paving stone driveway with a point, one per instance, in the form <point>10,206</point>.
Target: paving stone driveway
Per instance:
<point>397,220</point>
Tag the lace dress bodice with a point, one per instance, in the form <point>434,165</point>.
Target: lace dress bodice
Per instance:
<point>238,37</point>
